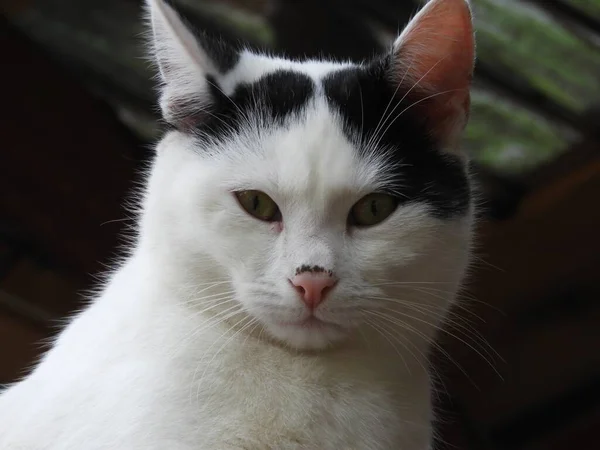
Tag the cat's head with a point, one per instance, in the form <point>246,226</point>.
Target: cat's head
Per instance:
<point>320,197</point>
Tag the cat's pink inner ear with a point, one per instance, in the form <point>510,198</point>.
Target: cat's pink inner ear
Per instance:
<point>435,57</point>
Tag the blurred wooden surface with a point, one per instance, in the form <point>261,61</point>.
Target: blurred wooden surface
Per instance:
<point>67,164</point>
<point>20,345</point>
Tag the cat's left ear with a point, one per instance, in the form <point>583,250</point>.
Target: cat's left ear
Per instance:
<point>434,58</point>
<point>189,63</point>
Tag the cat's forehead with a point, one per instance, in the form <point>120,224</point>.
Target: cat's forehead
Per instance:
<point>315,155</point>
<point>248,68</point>
<point>311,153</point>
<point>310,158</point>
<point>339,126</point>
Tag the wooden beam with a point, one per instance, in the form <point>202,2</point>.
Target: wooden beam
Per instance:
<point>565,11</point>
<point>516,88</point>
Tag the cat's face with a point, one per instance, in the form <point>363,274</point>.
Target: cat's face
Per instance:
<point>325,196</point>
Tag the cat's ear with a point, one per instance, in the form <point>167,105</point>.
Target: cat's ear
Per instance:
<point>434,58</point>
<point>188,64</point>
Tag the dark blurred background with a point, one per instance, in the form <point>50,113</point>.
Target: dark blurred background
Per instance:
<point>78,116</point>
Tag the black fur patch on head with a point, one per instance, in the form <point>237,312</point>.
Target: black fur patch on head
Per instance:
<point>281,93</point>
<point>275,96</point>
<point>421,172</point>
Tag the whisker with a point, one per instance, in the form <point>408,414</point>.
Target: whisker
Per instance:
<point>401,283</point>
<point>124,219</point>
<point>212,321</point>
<point>443,330</point>
<point>385,334</point>
<point>257,324</point>
<point>217,87</point>
<point>409,107</point>
<point>420,361</point>
<point>197,300</point>
<point>218,302</point>
<point>384,117</point>
<point>381,135</point>
<point>456,304</point>
<point>460,292</point>
<point>427,339</point>
<point>469,333</point>
<point>210,286</point>
<point>207,365</point>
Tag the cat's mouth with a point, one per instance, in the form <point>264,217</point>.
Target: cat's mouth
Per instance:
<point>312,323</point>
<point>307,333</point>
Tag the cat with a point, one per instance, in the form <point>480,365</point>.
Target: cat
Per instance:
<point>304,228</point>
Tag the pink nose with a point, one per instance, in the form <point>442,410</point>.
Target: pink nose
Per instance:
<point>313,287</point>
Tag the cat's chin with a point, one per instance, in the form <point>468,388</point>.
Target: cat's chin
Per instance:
<point>311,334</point>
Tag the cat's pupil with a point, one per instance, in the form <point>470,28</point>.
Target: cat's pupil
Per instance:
<point>374,207</point>
<point>255,202</point>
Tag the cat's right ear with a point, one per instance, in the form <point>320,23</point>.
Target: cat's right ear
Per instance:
<point>434,59</point>
<point>188,64</point>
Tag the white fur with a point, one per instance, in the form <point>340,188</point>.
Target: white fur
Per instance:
<point>183,349</point>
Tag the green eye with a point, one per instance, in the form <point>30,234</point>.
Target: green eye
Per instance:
<point>259,205</point>
<point>372,209</point>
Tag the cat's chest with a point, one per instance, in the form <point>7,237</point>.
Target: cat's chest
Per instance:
<point>261,399</point>
<point>294,413</point>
